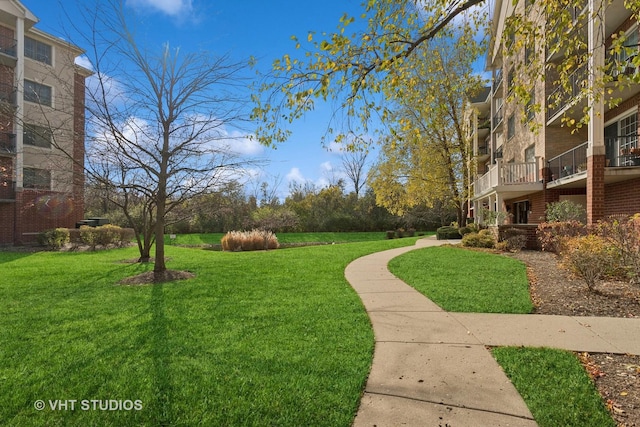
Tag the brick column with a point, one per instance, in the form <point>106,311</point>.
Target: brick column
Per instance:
<point>595,184</point>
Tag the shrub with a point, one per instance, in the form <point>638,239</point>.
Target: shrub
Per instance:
<point>253,240</point>
<point>482,239</point>
<point>624,238</point>
<point>465,230</point>
<point>564,211</point>
<point>588,257</point>
<point>391,234</point>
<point>126,236</point>
<point>105,235</point>
<point>447,232</point>
<point>513,239</point>
<point>54,239</point>
<point>552,234</point>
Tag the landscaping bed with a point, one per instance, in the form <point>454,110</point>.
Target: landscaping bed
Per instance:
<point>555,292</point>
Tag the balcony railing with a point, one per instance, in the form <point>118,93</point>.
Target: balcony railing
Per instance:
<point>7,143</point>
<point>8,46</point>
<point>562,96</point>
<point>569,163</point>
<point>497,117</point>
<point>622,151</point>
<point>483,150</point>
<point>507,174</point>
<point>497,81</point>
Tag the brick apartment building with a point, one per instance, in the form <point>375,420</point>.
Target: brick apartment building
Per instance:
<point>41,128</point>
<point>520,171</point>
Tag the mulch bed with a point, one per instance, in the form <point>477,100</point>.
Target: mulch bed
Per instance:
<point>554,291</point>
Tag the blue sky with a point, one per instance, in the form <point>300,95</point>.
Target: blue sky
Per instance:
<point>241,28</point>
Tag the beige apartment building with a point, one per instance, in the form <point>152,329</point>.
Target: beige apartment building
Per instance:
<point>519,171</point>
<point>42,110</point>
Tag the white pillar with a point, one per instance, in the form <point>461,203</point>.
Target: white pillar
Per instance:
<point>595,74</point>
<point>19,85</point>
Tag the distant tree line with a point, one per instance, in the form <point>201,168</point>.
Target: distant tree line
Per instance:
<point>306,209</point>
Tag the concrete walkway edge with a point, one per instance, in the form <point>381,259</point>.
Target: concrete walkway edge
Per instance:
<point>431,367</point>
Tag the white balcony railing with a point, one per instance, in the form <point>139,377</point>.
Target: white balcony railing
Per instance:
<point>507,174</point>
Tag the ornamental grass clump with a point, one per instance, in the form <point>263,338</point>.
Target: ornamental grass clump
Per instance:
<point>254,240</point>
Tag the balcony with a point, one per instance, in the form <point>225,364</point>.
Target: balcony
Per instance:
<point>497,117</point>
<point>512,179</point>
<point>7,143</point>
<point>562,97</point>
<point>497,82</point>
<point>622,151</point>
<point>569,163</point>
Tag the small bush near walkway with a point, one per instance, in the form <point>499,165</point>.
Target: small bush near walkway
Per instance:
<point>254,240</point>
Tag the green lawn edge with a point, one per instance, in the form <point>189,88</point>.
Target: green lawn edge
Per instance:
<point>554,386</point>
<point>462,280</point>
<point>257,338</point>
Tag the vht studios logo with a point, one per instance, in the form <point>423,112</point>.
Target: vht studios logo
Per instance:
<point>88,405</point>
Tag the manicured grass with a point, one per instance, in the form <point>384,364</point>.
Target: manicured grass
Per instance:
<point>555,387</point>
<point>466,281</point>
<point>325,237</point>
<point>257,338</point>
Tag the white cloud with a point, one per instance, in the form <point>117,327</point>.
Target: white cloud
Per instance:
<point>326,167</point>
<point>84,62</point>
<point>295,175</point>
<point>168,7</point>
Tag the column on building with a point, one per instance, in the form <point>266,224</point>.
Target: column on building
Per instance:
<point>596,147</point>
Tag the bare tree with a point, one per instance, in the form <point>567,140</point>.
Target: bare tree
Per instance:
<point>157,124</point>
<point>353,166</point>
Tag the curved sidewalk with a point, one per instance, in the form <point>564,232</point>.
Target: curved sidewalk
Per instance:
<point>431,367</point>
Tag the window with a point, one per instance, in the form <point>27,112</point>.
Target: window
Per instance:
<point>36,92</point>
<point>530,154</point>
<point>37,50</point>
<point>37,136</point>
<point>39,179</point>
<point>521,212</point>
<point>510,79</point>
<point>511,126</point>
<point>528,54</point>
<point>529,110</point>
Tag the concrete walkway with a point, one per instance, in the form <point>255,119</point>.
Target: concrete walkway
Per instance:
<point>431,367</point>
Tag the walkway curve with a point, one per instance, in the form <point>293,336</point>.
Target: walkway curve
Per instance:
<point>431,367</point>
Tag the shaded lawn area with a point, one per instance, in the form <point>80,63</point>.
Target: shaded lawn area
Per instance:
<point>462,280</point>
<point>257,338</point>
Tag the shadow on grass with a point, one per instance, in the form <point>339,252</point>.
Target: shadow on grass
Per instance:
<point>160,353</point>
<point>10,256</point>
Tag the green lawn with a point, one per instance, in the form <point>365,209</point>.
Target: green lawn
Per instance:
<point>554,385</point>
<point>257,338</point>
<point>324,237</point>
<point>466,281</point>
<point>556,388</point>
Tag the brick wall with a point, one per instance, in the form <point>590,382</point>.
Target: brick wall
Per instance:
<point>622,198</point>
<point>6,225</point>
<point>42,210</point>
